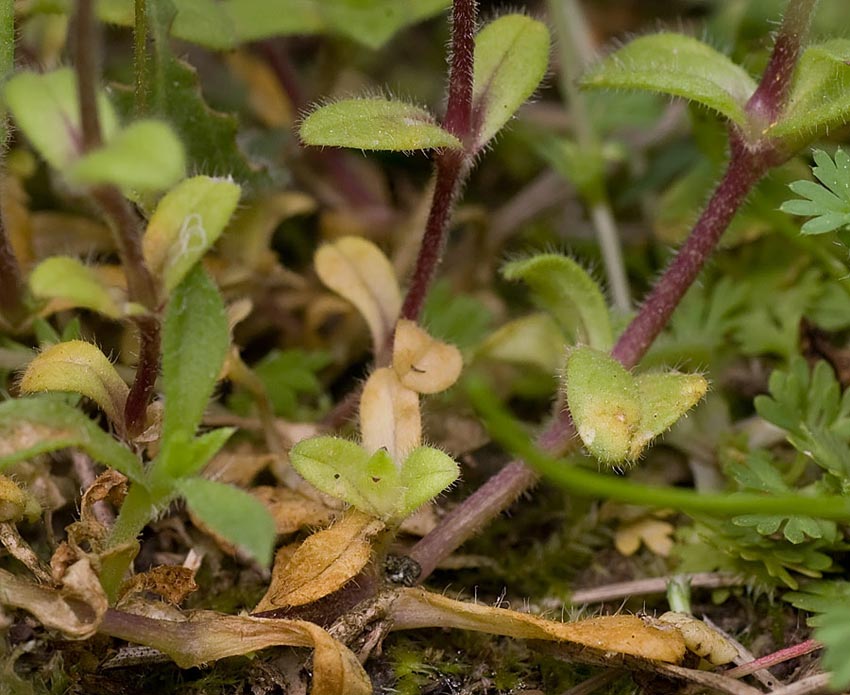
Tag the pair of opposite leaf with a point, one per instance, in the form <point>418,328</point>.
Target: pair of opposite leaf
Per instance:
<point>390,474</point>
<point>615,412</point>
<point>185,223</point>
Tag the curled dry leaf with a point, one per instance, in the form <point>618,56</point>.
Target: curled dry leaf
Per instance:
<point>291,510</point>
<point>422,363</point>
<point>80,367</point>
<point>620,634</point>
<point>75,609</point>
<point>206,636</point>
<point>110,486</point>
<point>389,415</point>
<point>358,270</point>
<point>323,563</point>
<point>172,582</point>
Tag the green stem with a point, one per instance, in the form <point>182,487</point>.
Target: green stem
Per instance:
<point>141,61</point>
<point>574,51</point>
<point>136,511</point>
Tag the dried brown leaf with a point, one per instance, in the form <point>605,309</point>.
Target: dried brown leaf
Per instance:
<point>172,582</point>
<point>323,563</point>
<point>110,486</point>
<point>206,636</point>
<point>291,510</point>
<point>389,415</point>
<point>358,270</point>
<point>422,363</point>
<point>620,634</point>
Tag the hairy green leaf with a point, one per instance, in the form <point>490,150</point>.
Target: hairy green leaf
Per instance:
<point>678,65</point>
<point>194,344</point>
<point>564,289</point>
<point>511,58</point>
<point>145,156</point>
<point>39,425</point>
<point>233,514</point>
<point>375,124</point>
<point>425,473</point>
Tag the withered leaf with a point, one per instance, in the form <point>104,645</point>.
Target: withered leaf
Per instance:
<point>172,582</point>
<point>291,510</point>
<point>422,363</point>
<point>323,563</point>
<point>389,415</point>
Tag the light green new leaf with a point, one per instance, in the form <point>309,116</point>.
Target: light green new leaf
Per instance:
<point>78,367</point>
<point>194,344</point>
<point>535,339</point>
<point>66,278</point>
<point>45,107</point>
<point>39,425</point>
<point>678,65</point>
<point>145,156</point>
<point>604,402</point>
<point>233,514</point>
<point>344,470</point>
<point>511,58</point>
<point>664,398</point>
<point>563,288</point>
<point>186,223</point>
<point>425,474</point>
<point>820,94</point>
<point>375,124</point>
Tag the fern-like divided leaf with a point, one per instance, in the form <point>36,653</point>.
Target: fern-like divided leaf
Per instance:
<point>827,203</point>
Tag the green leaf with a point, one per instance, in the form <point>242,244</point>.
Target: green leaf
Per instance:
<point>821,598</point>
<point>564,289</point>
<point>186,223</point>
<point>145,156</point>
<point>39,425</point>
<point>375,124</point>
<point>184,457</point>
<point>678,65</point>
<point>604,402</point>
<point>425,474</point>
<point>66,278</point>
<point>459,319</point>
<point>828,202</point>
<point>78,367</point>
<point>45,107</point>
<point>511,58</point>
<point>194,344</point>
<point>233,514</point>
<point>535,339</point>
<point>664,398</point>
<point>820,94</point>
<point>834,633</point>
<point>344,470</point>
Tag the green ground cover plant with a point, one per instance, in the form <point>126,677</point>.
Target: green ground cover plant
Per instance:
<point>279,348</point>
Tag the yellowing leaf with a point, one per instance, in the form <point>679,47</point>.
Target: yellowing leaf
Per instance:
<point>358,270</point>
<point>389,415</point>
<point>423,364</point>
<point>621,634</point>
<point>323,563</point>
<point>701,638</point>
<point>16,503</point>
<point>67,279</point>
<point>205,636</point>
<point>186,223</point>
<point>82,368</point>
<point>654,533</point>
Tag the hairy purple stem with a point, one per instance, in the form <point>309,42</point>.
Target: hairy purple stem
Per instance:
<point>458,119</point>
<point>748,163</point>
<point>123,221</point>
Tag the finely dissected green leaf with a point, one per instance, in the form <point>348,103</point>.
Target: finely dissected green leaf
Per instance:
<point>66,278</point>
<point>143,157</point>
<point>79,367</point>
<point>829,203</point>
<point>186,223</point>
<point>564,289</point>
<point>664,398</point>
<point>834,633</point>
<point>39,425</point>
<point>678,65</point>
<point>344,470</point>
<point>232,513</point>
<point>194,344</point>
<point>425,474</point>
<point>511,58</point>
<point>375,124</point>
<point>604,402</point>
<point>820,94</point>
<point>821,598</point>
<point>46,109</point>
